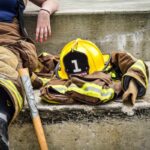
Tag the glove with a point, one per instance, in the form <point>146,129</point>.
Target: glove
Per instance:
<point>130,95</point>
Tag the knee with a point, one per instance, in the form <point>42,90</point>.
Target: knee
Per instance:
<point>8,64</point>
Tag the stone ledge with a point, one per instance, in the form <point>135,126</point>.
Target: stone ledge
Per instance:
<point>84,113</point>
<point>97,7</point>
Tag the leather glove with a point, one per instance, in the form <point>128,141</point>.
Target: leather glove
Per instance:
<point>130,95</point>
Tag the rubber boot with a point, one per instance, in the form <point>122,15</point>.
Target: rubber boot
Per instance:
<point>6,113</point>
<point>4,144</point>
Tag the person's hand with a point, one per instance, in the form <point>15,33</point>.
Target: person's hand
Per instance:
<point>43,29</point>
<point>130,95</point>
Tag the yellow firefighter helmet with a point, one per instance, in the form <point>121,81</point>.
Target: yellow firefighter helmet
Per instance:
<point>80,56</point>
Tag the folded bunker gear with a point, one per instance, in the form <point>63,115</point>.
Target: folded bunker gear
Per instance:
<point>107,76</point>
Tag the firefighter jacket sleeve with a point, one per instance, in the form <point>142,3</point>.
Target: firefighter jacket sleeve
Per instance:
<point>130,95</point>
<point>131,68</point>
<point>45,69</point>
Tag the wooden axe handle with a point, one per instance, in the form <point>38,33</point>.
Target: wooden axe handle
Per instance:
<point>26,81</point>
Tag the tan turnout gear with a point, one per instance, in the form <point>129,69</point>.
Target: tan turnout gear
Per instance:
<point>101,86</point>
<point>15,53</point>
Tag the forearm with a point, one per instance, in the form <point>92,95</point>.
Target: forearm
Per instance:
<point>50,5</point>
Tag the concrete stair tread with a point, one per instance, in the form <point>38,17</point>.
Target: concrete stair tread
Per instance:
<point>111,108</point>
<point>143,103</point>
<point>96,6</point>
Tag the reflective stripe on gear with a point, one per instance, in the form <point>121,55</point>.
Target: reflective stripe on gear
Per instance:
<point>44,80</point>
<point>61,89</point>
<point>49,101</point>
<point>139,65</point>
<point>142,81</point>
<point>14,95</point>
<point>93,90</point>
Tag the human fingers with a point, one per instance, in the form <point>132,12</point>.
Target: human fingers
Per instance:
<point>49,29</point>
<point>45,33</point>
<point>41,34</point>
<point>37,34</point>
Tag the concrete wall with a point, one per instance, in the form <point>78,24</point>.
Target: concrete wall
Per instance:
<point>128,31</point>
<point>108,134</point>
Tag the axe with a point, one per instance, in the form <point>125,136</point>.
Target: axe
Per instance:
<point>26,81</point>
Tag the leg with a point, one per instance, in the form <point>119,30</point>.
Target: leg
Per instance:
<point>6,113</point>
<point>11,96</point>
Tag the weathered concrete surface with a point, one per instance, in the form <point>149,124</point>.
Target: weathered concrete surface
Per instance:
<point>109,30</point>
<point>80,127</point>
<point>97,6</point>
<point>109,134</point>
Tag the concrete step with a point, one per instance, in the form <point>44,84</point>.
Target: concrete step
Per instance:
<point>77,127</point>
<point>110,24</point>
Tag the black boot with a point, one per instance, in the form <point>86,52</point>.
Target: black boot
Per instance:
<point>4,144</point>
<point>6,113</point>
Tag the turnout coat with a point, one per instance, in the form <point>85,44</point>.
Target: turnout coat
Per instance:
<point>96,88</point>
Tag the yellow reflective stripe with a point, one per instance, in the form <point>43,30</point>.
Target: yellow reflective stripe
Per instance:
<point>13,90</point>
<point>113,75</point>
<point>33,77</point>
<point>108,68</point>
<point>39,67</point>
<point>49,101</point>
<point>45,54</point>
<point>93,90</point>
<point>140,66</point>
<point>44,80</point>
<point>59,88</point>
<point>104,94</point>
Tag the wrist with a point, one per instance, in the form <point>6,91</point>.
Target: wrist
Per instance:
<point>45,10</point>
